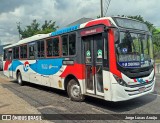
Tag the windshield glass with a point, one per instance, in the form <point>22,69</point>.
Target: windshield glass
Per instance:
<point>134,50</point>
<point>129,23</point>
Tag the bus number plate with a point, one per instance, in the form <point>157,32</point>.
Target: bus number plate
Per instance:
<point>142,89</point>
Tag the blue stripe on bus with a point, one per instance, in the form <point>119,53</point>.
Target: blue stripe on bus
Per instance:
<point>47,66</point>
<point>41,66</point>
<point>15,64</point>
<point>65,30</point>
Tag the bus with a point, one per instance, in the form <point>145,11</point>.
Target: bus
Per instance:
<point>110,58</point>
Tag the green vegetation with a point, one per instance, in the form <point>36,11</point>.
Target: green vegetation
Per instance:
<point>35,28</point>
<point>157,31</point>
<point>157,60</point>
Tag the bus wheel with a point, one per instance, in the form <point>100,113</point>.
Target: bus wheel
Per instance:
<point>19,79</point>
<point>74,91</point>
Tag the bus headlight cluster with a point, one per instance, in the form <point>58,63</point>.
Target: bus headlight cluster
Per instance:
<point>120,81</point>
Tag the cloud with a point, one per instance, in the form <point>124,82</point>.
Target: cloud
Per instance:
<point>65,12</point>
<point>10,5</point>
<point>148,9</point>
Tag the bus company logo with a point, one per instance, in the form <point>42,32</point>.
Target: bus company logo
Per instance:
<point>124,50</point>
<point>26,66</point>
<point>140,80</point>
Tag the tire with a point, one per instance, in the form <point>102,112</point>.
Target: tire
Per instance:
<point>19,79</point>
<point>74,91</point>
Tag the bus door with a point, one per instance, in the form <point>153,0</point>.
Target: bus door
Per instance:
<point>93,50</point>
<point>9,58</point>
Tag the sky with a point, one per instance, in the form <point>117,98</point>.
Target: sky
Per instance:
<point>65,12</point>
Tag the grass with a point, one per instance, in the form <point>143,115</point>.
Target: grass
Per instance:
<point>157,60</point>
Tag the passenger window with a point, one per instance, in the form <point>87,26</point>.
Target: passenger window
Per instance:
<point>69,44</point>
<point>53,47</point>
<point>72,44</point>
<point>32,50</point>
<point>23,51</point>
<point>49,48</point>
<point>5,55</point>
<point>40,48</point>
<point>9,54</point>
<point>16,53</point>
<point>65,45</point>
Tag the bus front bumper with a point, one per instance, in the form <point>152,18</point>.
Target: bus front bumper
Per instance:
<point>121,93</point>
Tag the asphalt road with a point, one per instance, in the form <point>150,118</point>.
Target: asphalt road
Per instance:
<point>52,101</point>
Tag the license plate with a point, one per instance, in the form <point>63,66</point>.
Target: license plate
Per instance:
<point>142,89</point>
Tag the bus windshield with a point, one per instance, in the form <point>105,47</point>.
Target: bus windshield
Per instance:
<point>134,50</point>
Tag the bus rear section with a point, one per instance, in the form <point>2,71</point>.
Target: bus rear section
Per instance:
<point>7,60</point>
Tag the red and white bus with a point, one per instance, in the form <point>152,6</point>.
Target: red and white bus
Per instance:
<point>109,58</point>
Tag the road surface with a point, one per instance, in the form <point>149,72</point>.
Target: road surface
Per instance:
<point>51,101</point>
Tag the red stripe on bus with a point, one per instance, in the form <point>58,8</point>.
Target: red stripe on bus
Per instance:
<point>77,70</point>
<point>6,65</point>
<point>97,22</point>
<point>112,55</point>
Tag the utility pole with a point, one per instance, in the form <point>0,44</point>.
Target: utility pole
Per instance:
<point>101,8</point>
<point>19,25</point>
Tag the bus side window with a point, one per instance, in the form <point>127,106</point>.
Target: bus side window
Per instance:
<point>49,47</point>
<point>5,55</point>
<point>16,53</point>
<point>31,52</point>
<point>23,51</point>
<point>69,44</point>
<point>55,47</point>
<point>9,54</point>
<point>65,45</point>
<point>40,48</point>
<point>72,44</point>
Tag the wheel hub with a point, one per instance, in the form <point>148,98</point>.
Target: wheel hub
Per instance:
<point>19,79</point>
<point>75,90</point>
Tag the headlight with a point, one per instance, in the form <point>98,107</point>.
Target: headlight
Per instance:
<point>120,81</point>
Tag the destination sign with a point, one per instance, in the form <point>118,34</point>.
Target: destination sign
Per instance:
<point>130,64</point>
<point>92,31</point>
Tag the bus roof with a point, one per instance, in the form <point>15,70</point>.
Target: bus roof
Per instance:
<point>67,29</point>
<point>58,32</point>
<point>30,39</point>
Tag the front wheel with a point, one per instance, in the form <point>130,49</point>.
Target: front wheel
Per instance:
<point>19,79</point>
<point>74,91</point>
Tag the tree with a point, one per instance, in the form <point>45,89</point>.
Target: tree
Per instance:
<point>35,28</point>
<point>48,27</point>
